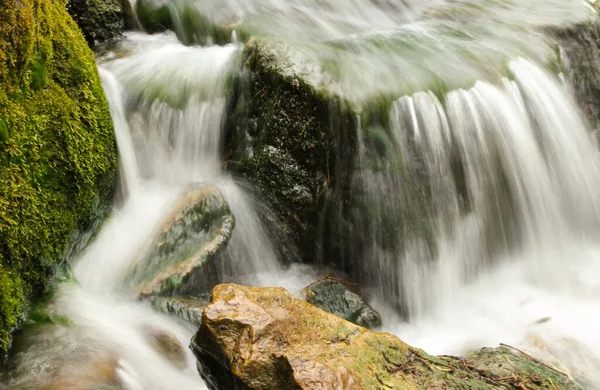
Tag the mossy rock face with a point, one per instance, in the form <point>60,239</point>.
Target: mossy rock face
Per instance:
<point>180,260</point>
<point>58,152</point>
<point>263,338</point>
<point>291,141</point>
<point>99,20</point>
<point>336,297</point>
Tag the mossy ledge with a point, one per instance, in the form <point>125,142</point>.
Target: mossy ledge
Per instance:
<point>58,153</point>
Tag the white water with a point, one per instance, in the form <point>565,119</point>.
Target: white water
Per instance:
<point>164,151</point>
<point>525,248</point>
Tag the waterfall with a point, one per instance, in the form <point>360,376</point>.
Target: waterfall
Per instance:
<point>494,171</point>
<point>167,102</point>
<point>495,203</point>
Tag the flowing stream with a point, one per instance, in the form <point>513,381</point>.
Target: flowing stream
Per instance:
<point>480,191</point>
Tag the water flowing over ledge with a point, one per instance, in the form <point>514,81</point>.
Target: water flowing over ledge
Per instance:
<point>454,170</point>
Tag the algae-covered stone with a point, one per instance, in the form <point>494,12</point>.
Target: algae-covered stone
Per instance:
<point>58,158</point>
<point>185,308</point>
<point>263,338</point>
<point>99,20</point>
<point>180,258</point>
<point>335,296</point>
<point>291,140</point>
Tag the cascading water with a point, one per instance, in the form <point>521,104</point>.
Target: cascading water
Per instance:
<point>479,188</point>
<point>496,206</point>
<point>493,172</point>
<point>168,123</point>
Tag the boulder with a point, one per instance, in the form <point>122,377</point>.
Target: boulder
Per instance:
<point>180,259</point>
<point>336,297</point>
<point>99,20</point>
<point>293,141</point>
<point>58,153</point>
<point>264,338</point>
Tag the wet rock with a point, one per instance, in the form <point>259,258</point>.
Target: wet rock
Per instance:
<point>336,297</point>
<point>153,16</point>
<point>293,141</point>
<point>181,257</point>
<point>579,58</point>
<point>187,309</point>
<point>99,20</point>
<point>263,338</point>
<point>167,345</point>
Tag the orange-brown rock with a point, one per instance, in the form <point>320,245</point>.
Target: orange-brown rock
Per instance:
<point>265,339</point>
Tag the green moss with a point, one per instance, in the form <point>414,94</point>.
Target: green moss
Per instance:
<point>3,132</point>
<point>58,163</point>
<point>39,74</point>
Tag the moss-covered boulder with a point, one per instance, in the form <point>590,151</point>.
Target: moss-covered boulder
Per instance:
<point>263,338</point>
<point>99,20</point>
<point>336,296</point>
<point>292,141</point>
<point>180,259</point>
<point>58,152</point>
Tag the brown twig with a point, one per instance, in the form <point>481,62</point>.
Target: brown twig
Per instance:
<point>552,383</point>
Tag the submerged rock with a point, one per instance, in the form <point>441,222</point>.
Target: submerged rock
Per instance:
<point>180,258</point>
<point>184,18</point>
<point>100,374</point>
<point>263,338</point>
<point>335,296</point>
<point>167,345</point>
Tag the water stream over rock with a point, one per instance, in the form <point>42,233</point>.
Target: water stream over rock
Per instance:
<point>474,210</point>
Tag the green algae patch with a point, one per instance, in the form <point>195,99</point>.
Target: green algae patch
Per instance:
<point>58,152</point>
